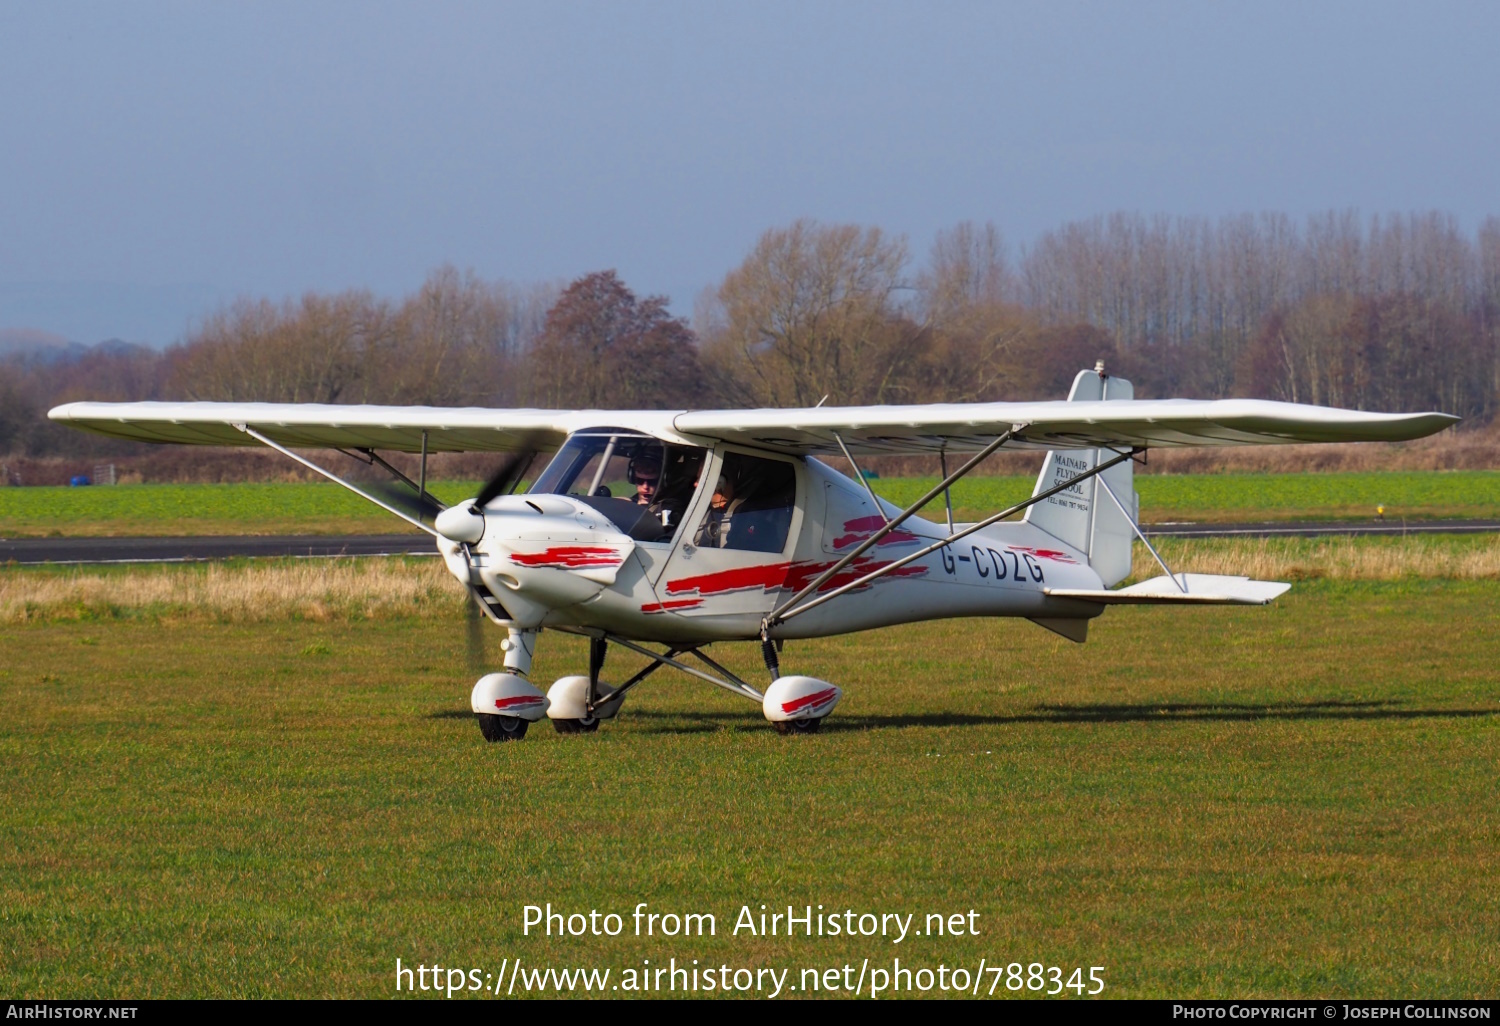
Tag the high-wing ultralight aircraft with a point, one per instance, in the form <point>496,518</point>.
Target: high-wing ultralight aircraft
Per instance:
<point>683,528</point>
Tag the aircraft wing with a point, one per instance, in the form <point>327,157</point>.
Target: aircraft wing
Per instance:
<point>1160,423</point>
<point>315,425</point>
<point>866,430</point>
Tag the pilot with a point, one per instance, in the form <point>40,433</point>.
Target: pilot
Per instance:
<point>645,473</point>
<point>663,485</point>
<point>714,533</point>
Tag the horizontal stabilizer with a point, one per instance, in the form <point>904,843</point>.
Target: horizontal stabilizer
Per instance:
<point>1195,589</point>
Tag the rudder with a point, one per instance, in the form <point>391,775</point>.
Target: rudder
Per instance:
<point>1083,516</point>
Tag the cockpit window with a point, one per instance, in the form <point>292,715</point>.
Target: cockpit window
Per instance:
<point>641,484</point>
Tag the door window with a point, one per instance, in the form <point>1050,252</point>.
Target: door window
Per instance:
<point>751,507</point>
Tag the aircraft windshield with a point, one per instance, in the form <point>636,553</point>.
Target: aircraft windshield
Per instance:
<point>643,485</point>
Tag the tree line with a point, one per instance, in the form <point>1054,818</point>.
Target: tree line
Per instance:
<point>1393,313</point>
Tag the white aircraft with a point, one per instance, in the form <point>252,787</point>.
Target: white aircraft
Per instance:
<point>684,528</point>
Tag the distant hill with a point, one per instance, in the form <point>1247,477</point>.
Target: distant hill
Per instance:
<point>28,341</point>
<point>45,347</point>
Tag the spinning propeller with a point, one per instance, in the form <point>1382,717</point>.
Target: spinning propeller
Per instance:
<point>509,474</point>
<point>459,523</point>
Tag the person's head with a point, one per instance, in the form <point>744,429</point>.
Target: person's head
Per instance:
<point>723,492</point>
<point>645,474</point>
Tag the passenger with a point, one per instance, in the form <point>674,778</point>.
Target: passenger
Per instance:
<point>714,534</point>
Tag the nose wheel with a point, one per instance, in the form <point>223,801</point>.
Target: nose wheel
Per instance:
<point>501,728</point>
<point>586,725</point>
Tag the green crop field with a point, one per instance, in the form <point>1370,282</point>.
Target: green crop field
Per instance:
<point>1240,498</point>
<point>322,508</point>
<point>1295,800</point>
<point>281,507</point>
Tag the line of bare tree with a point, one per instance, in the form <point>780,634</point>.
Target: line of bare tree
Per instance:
<point>1397,312</point>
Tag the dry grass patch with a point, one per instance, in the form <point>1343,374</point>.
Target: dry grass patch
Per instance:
<point>354,589</point>
<point>239,592</point>
<point>1348,558</point>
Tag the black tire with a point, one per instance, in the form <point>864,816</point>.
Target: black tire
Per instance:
<point>587,726</point>
<point>501,728</point>
<point>792,727</point>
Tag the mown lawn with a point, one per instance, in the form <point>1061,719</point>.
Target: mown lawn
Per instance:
<point>281,507</point>
<point>1249,498</point>
<point>1296,800</point>
<point>323,508</point>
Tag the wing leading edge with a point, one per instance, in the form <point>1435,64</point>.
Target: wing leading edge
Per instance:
<point>867,430</point>
<point>314,425</point>
<point>1161,423</point>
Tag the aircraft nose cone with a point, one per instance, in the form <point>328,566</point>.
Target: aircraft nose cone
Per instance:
<point>460,523</point>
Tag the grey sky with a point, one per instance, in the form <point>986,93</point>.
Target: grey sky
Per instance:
<point>156,158</point>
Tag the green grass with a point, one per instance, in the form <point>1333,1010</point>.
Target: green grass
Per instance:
<point>1296,800</point>
<point>281,507</point>
<point>1235,498</point>
<point>323,508</point>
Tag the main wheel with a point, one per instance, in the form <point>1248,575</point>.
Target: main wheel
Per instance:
<point>798,726</point>
<point>585,726</point>
<point>501,728</point>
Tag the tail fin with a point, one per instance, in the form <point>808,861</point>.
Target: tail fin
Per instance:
<point>1083,516</point>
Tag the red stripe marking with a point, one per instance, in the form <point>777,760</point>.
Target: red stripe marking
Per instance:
<point>767,575</point>
<point>569,557</point>
<point>1055,555</point>
<point>803,573</point>
<point>811,701</point>
<point>518,700</point>
<point>658,607</point>
<point>861,528</point>
<point>795,576</point>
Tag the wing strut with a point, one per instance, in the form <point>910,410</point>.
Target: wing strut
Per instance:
<point>874,499</point>
<point>370,457</point>
<point>778,616</point>
<point>947,496</point>
<point>310,465</point>
<point>1137,529</point>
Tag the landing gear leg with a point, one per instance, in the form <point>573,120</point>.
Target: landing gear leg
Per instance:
<point>519,646</point>
<point>770,651</point>
<point>598,649</point>
<point>794,705</point>
<point>588,723</point>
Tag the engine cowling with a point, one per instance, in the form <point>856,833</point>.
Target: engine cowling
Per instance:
<point>534,553</point>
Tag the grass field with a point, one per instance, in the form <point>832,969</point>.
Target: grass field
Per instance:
<point>261,590</point>
<point>322,508</point>
<point>1249,498</point>
<point>281,507</point>
<point>1295,800</point>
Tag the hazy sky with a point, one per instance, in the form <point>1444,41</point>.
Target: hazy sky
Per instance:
<point>157,158</point>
